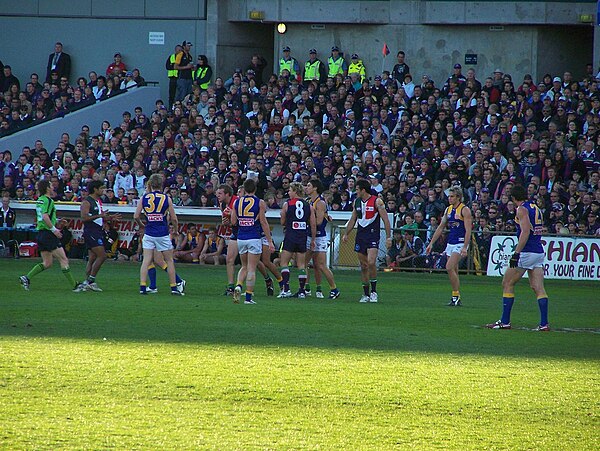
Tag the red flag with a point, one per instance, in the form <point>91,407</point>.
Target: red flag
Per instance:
<point>385,50</point>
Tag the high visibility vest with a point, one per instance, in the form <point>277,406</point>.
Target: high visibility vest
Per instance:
<point>288,65</point>
<point>172,72</point>
<point>199,74</point>
<point>358,68</point>
<point>335,66</point>
<point>311,70</point>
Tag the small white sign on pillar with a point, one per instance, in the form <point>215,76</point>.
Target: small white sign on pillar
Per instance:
<point>156,37</point>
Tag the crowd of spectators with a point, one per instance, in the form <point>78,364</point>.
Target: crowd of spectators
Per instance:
<point>412,140</point>
<point>24,104</point>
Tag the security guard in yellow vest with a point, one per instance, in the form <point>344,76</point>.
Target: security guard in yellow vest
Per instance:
<point>173,74</point>
<point>357,67</point>
<point>314,70</point>
<point>336,63</point>
<point>289,63</point>
<point>203,73</point>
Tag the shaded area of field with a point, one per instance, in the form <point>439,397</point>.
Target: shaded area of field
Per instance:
<point>411,316</point>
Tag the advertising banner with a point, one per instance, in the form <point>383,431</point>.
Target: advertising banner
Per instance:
<point>566,257</point>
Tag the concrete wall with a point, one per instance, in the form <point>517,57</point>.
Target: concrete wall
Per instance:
<point>110,110</point>
<point>93,30</point>
<point>435,34</point>
<point>416,11</point>
<point>433,50</point>
<point>232,44</point>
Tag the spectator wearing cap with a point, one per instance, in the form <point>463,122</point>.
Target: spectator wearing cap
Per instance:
<point>117,66</point>
<point>172,73</point>
<point>314,69</point>
<point>557,214</point>
<point>556,91</point>
<point>58,62</point>
<point>128,82</point>
<point>357,67</point>
<point>288,65</point>
<point>336,64</point>
<point>203,73</point>
<point>184,64</point>
<point>456,77</point>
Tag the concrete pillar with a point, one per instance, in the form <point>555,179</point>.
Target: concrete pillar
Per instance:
<point>212,33</point>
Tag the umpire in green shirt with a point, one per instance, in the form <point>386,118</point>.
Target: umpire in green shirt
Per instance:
<point>48,237</point>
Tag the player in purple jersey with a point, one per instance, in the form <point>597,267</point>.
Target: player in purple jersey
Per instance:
<point>460,223</point>
<point>297,218</point>
<point>159,211</point>
<point>314,189</point>
<point>93,215</point>
<point>528,257</point>
<point>249,215</point>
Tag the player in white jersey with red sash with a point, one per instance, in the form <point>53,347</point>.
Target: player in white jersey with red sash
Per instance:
<point>368,211</point>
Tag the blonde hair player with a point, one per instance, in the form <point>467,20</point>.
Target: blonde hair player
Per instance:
<point>459,220</point>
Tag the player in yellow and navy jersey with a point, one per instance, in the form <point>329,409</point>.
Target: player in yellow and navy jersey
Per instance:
<point>528,257</point>
<point>459,221</point>
<point>159,211</point>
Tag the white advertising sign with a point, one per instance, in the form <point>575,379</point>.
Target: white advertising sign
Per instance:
<point>566,257</point>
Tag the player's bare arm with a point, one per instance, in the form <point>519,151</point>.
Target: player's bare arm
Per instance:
<point>386,221</point>
<point>350,225</point>
<point>468,220</point>
<point>437,233</point>
<point>264,224</point>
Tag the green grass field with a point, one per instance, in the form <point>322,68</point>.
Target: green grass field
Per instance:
<point>115,370</point>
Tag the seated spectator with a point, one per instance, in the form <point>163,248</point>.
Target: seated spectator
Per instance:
<point>190,248</point>
<point>116,67</point>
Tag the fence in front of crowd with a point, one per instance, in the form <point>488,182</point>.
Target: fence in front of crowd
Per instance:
<point>566,257</point>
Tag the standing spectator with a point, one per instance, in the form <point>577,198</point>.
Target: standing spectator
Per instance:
<point>8,80</point>
<point>116,67</point>
<point>172,73</point>
<point>8,216</point>
<point>314,70</point>
<point>336,63</point>
<point>357,67</point>
<point>203,73</point>
<point>400,69</point>
<point>257,64</point>
<point>59,62</point>
<point>184,66</point>
<point>289,63</point>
